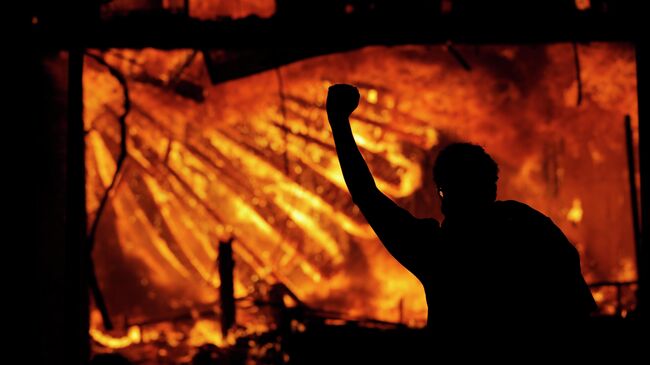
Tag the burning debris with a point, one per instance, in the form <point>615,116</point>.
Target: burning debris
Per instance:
<point>253,158</point>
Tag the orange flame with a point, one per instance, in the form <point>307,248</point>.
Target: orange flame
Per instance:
<point>235,165</point>
<point>575,213</point>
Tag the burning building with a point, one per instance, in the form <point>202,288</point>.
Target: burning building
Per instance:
<point>189,147</point>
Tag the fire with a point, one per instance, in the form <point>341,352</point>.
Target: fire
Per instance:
<point>236,165</point>
<point>133,336</point>
<point>207,331</point>
<point>372,96</point>
<point>583,4</point>
<point>575,213</point>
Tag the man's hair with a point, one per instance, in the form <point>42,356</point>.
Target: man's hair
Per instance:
<point>462,165</point>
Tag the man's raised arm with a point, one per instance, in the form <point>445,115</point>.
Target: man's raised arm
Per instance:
<point>397,229</point>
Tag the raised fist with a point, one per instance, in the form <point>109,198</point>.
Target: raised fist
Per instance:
<point>342,99</point>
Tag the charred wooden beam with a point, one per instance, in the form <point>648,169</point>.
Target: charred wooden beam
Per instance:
<point>77,252</point>
<point>226,290</point>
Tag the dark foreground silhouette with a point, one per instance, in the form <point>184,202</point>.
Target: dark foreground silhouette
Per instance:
<point>489,260</point>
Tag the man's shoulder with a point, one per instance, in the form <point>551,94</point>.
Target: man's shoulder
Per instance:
<point>530,221</point>
<point>521,213</point>
<point>513,207</point>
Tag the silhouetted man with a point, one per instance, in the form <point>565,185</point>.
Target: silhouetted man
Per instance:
<point>489,260</point>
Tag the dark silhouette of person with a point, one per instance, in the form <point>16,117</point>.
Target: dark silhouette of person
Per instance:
<point>489,260</point>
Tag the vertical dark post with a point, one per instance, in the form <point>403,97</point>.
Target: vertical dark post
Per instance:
<point>619,300</point>
<point>76,296</point>
<point>226,291</point>
<point>634,200</point>
<point>644,168</point>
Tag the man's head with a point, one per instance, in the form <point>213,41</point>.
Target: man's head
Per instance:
<point>466,177</point>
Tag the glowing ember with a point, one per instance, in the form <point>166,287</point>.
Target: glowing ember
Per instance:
<point>372,96</point>
<point>583,4</point>
<point>575,213</point>
<point>207,331</point>
<point>132,337</point>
